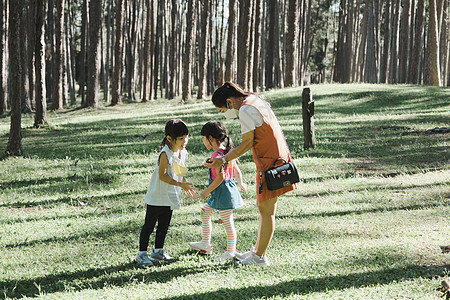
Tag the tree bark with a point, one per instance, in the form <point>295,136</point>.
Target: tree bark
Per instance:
<point>417,50</point>
<point>93,84</point>
<point>117,76</point>
<point>231,42</point>
<point>40,117</point>
<point>3,65</point>
<point>291,49</point>
<point>203,48</point>
<point>387,37</point>
<point>14,147</point>
<point>404,41</point>
<point>191,20</point>
<point>243,45</point>
<point>432,70</point>
<point>58,61</point>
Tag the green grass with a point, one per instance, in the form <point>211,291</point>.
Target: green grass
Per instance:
<point>366,222</point>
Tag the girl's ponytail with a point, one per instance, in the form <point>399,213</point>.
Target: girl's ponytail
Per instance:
<point>229,145</point>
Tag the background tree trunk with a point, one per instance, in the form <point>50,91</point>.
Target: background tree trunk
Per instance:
<point>291,49</point>
<point>3,61</point>
<point>117,75</point>
<point>40,117</point>
<point>93,84</point>
<point>432,71</point>
<point>58,58</point>
<point>231,42</point>
<point>14,147</point>
<point>188,50</point>
<point>203,48</point>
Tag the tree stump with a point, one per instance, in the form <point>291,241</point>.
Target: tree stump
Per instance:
<point>308,119</point>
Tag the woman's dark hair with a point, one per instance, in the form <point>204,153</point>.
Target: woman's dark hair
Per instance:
<point>218,131</point>
<point>227,90</point>
<point>174,128</point>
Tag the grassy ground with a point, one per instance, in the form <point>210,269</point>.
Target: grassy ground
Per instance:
<point>366,222</point>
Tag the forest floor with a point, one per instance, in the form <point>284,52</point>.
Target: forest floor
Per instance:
<point>366,222</point>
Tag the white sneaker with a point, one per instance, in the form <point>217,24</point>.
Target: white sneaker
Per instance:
<point>143,260</point>
<point>255,260</point>
<point>202,247</point>
<point>226,256</point>
<point>242,256</point>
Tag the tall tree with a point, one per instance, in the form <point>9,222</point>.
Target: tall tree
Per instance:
<point>404,50</point>
<point>148,53</point>
<point>371,59</point>
<point>231,42</point>
<point>243,43</point>
<point>84,43</point>
<point>14,147</point>
<point>432,70</point>
<point>203,48</point>
<point>117,76</point>
<point>3,65</point>
<point>291,48</point>
<point>417,50</point>
<point>93,84</point>
<point>173,50</point>
<point>386,40</point>
<point>188,50</point>
<point>257,45</point>
<point>58,58</point>
<point>40,117</point>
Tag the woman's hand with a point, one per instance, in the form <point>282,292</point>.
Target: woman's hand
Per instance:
<point>213,163</point>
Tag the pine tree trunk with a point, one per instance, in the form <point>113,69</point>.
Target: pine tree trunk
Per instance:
<point>3,66</point>
<point>257,47</point>
<point>203,48</point>
<point>432,70</point>
<point>387,36</point>
<point>57,92</point>
<point>243,45</point>
<point>172,51</point>
<point>84,43</point>
<point>118,43</point>
<point>14,147</point>
<point>231,42</point>
<point>30,53</point>
<point>393,66</point>
<point>40,117</point>
<point>93,84</point>
<point>417,50</point>
<point>291,48</point>
<point>404,41</point>
<point>188,50</point>
<point>148,54</point>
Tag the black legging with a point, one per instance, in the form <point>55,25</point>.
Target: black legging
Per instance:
<point>160,214</point>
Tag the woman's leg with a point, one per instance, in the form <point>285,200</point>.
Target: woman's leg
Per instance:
<point>266,228</point>
<point>207,224</point>
<point>228,221</point>
<point>164,218</point>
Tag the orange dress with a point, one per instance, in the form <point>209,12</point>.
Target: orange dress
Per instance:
<point>269,144</point>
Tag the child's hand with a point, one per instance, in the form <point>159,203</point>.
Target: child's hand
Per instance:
<point>205,194</point>
<point>243,187</point>
<point>192,193</point>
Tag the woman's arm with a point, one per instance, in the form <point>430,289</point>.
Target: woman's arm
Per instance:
<point>247,144</point>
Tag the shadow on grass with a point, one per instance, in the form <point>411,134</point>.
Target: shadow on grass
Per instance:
<point>322,284</point>
<point>74,201</point>
<point>123,275</point>
<point>95,279</point>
